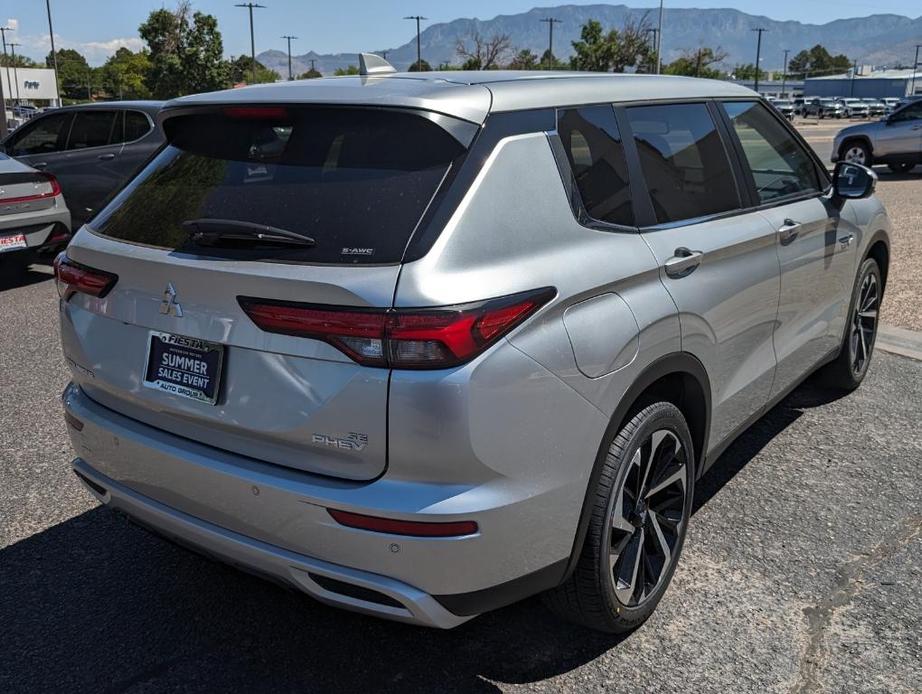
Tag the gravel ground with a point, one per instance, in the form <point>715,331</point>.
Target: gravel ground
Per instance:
<point>902,195</point>
<point>801,572</point>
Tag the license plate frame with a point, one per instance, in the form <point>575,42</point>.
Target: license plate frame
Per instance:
<point>13,242</point>
<point>195,360</point>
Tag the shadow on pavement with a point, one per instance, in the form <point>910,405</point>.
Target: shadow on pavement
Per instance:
<point>14,275</point>
<point>98,604</point>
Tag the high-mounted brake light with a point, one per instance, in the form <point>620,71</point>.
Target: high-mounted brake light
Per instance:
<point>256,112</point>
<point>44,185</point>
<point>400,338</point>
<point>72,277</point>
<point>400,527</point>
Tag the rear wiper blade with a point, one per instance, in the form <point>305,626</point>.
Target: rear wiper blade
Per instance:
<point>208,231</point>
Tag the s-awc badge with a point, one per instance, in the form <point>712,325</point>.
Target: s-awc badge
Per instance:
<point>349,250</point>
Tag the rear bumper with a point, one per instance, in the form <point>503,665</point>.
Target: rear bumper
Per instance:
<point>274,521</point>
<point>382,596</point>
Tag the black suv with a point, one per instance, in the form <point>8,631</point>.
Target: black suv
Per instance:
<point>93,149</point>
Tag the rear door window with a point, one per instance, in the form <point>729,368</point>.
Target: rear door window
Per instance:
<point>355,180</point>
<point>780,166</point>
<point>91,129</point>
<point>683,160</point>
<point>43,135</point>
<point>136,126</point>
<point>593,147</point>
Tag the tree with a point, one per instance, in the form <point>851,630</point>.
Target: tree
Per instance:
<point>697,63</point>
<point>483,54</point>
<point>186,52</point>
<point>125,74</point>
<point>74,74</point>
<point>524,60</point>
<point>817,61</point>
<point>549,61</point>
<point>748,72</point>
<point>241,70</point>
<point>614,51</point>
<point>19,61</point>
<point>342,71</point>
<point>311,74</point>
<point>420,66</point>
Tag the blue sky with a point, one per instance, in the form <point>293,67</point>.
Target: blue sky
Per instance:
<point>98,27</point>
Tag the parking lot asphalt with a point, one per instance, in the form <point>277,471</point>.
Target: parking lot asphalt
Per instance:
<point>801,573</point>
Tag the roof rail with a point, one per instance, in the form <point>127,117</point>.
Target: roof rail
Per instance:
<point>371,64</point>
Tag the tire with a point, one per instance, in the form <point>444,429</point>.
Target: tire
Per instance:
<point>901,168</point>
<point>624,535</point>
<point>855,152</point>
<point>851,366</point>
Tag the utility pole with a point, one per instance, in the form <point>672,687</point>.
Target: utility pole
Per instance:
<point>312,64</point>
<point>550,21</point>
<point>851,86</point>
<point>290,77</point>
<point>784,73</point>
<point>760,30</point>
<point>658,37</point>
<point>250,6</point>
<point>54,55</point>
<point>9,82</point>
<point>915,65</point>
<point>15,70</point>
<point>419,53</point>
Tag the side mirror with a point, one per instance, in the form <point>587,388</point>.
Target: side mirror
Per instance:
<point>853,181</point>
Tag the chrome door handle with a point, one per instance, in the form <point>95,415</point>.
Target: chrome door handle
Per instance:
<point>106,157</point>
<point>846,241</point>
<point>683,262</point>
<point>788,231</point>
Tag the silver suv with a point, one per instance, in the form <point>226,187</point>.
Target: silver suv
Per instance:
<point>895,140</point>
<point>421,345</point>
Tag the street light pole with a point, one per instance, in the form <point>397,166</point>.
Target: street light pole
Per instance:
<point>658,37</point>
<point>290,77</point>
<point>851,86</point>
<point>784,74</point>
<point>915,65</point>
<point>419,52</point>
<point>54,55</point>
<point>250,6</point>
<point>550,21</point>
<point>760,30</point>
<point>15,70</point>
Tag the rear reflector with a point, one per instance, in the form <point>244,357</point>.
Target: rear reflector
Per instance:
<point>399,527</point>
<point>400,338</point>
<point>72,277</point>
<point>73,421</point>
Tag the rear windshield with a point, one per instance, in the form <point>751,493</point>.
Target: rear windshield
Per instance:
<point>356,181</point>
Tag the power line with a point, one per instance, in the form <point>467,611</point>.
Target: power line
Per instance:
<point>251,6</point>
<point>419,52</point>
<point>760,31</point>
<point>550,21</point>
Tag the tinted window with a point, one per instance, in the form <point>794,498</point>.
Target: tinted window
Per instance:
<point>779,165</point>
<point>136,126</point>
<point>357,181</point>
<point>683,161</point>
<point>91,129</point>
<point>911,112</point>
<point>592,143</point>
<point>46,134</point>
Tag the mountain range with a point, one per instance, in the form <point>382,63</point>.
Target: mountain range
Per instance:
<point>880,39</point>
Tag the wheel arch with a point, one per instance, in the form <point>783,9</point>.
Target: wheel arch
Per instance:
<point>879,250</point>
<point>863,139</point>
<point>679,378</point>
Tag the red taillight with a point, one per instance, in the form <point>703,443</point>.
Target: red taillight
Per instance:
<point>400,527</point>
<point>44,186</point>
<point>400,338</point>
<point>256,112</point>
<point>73,277</point>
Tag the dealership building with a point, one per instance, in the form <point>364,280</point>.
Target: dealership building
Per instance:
<point>28,84</point>
<point>875,84</point>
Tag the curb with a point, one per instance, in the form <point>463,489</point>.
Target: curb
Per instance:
<point>906,343</point>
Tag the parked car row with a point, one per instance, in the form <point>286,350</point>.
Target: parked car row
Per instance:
<point>845,107</point>
<point>61,166</point>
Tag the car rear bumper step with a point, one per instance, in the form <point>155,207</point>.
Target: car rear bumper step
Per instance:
<point>339,586</point>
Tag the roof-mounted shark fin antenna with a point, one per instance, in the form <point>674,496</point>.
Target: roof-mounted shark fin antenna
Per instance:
<point>371,64</point>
